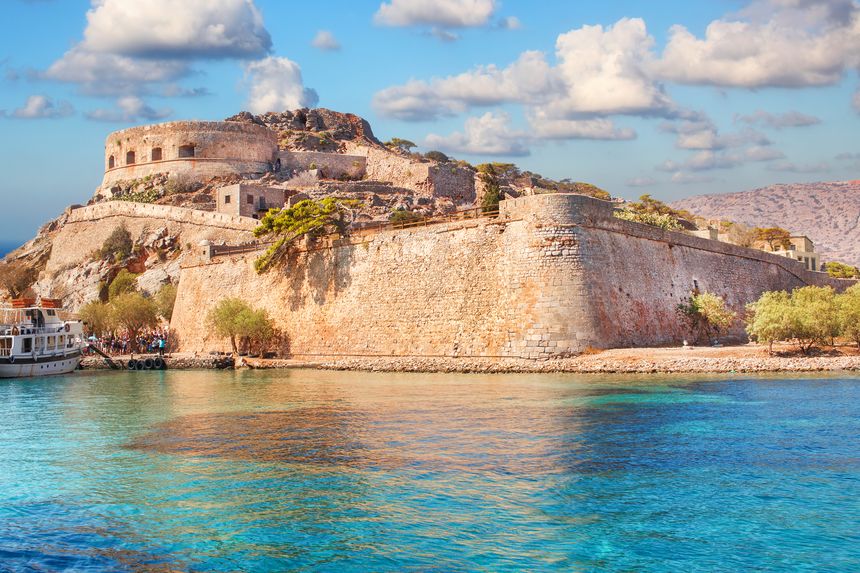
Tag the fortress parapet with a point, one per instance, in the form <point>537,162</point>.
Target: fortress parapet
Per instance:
<point>198,149</point>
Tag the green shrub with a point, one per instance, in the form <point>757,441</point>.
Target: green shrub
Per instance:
<point>402,217</point>
<point>123,282</point>
<point>841,270</point>
<point>118,245</point>
<point>664,221</point>
<point>706,315</point>
<point>808,316</point>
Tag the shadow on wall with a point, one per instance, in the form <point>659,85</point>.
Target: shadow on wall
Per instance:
<point>318,273</point>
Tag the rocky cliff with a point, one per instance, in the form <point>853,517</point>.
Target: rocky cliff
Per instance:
<point>826,212</point>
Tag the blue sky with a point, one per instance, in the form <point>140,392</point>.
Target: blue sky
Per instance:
<point>668,98</point>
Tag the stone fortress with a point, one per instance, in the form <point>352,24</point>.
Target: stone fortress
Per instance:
<point>552,275</point>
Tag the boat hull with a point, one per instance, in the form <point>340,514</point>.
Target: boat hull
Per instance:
<point>43,366</point>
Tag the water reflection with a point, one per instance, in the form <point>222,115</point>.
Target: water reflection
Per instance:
<point>280,471</point>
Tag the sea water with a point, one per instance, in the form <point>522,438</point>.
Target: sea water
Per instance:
<point>335,471</point>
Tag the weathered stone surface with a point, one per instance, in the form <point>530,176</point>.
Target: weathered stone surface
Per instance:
<point>552,276</point>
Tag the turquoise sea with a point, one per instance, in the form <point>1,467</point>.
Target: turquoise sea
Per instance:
<point>336,471</point>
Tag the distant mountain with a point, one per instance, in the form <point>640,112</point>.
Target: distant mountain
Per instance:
<point>828,213</point>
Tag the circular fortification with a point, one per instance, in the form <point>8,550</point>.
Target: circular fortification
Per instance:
<point>198,149</point>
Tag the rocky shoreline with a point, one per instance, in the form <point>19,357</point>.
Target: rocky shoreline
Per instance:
<point>622,361</point>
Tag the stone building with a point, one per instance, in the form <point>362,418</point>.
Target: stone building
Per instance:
<point>249,200</point>
<point>197,149</point>
<point>802,249</point>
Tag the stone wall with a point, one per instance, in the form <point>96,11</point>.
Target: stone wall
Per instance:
<point>425,179</point>
<point>219,148</point>
<point>552,276</point>
<point>86,228</point>
<point>332,165</point>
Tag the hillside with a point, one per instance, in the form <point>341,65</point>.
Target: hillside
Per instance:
<point>827,212</point>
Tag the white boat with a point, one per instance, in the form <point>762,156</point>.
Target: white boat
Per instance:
<point>36,341</point>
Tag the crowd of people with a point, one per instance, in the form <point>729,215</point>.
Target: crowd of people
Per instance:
<point>153,341</point>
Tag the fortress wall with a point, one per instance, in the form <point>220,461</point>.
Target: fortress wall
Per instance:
<point>432,291</point>
<point>635,275</point>
<point>220,148</point>
<point>87,228</point>
<point>554,275</point>
<point>333,165</point>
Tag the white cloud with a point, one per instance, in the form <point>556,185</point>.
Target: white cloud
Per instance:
<point>325,41</point>
<point>527,80</point>
<point>700,133</point>
<point>177,30</point>
<point>779,120</point>
<point>489,134</point>
<point>276,85</point>
<point>641,182</point>
<point>762,153</point>
<point>790,167</point>
<point>129,46</point>
<point>544,127</point>
<point>599,72</point>
<point>43,107</point>
<point>110,74</point>
<point>606,71</point>
<point>773,43</point>
<point>128,109</point>
<point>439,13</point>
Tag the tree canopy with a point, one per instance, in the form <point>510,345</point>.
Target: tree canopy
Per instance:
<point>133,312</point>
<point>841,270</point>
<point>775,237</point>
<point>234,318</point>
<point>308,217</point>
<point>403,145</point>
<point>807,316</point>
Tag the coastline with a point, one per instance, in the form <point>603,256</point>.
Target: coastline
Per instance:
<point>736,359</point>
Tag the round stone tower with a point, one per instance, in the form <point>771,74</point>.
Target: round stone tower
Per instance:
<point>197,149</point>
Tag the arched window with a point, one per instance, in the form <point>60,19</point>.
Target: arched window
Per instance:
<point>129,158</point>
<point>156,154</point>
<point>186,151</point>
<point>111,162</point>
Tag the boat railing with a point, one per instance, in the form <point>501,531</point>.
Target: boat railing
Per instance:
<point>5,352</point>
<point>28,330</point>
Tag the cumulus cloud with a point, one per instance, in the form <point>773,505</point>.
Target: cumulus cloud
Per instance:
<point>276,84</point>
<point>177,30</point>
<point>779,120</point>
<point>128,109</point>
<point>325,41</point>
<point>527,80</point>
<point>700,133</point>
<point>110,74</point>
<point>598,72</point>
<point>544,126</point>
<point>489,134</point>
<point>773,43</point>
<point>438,13</point>
<point>43,107</point>
<point>129,46</point>
<point>791,167</point>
